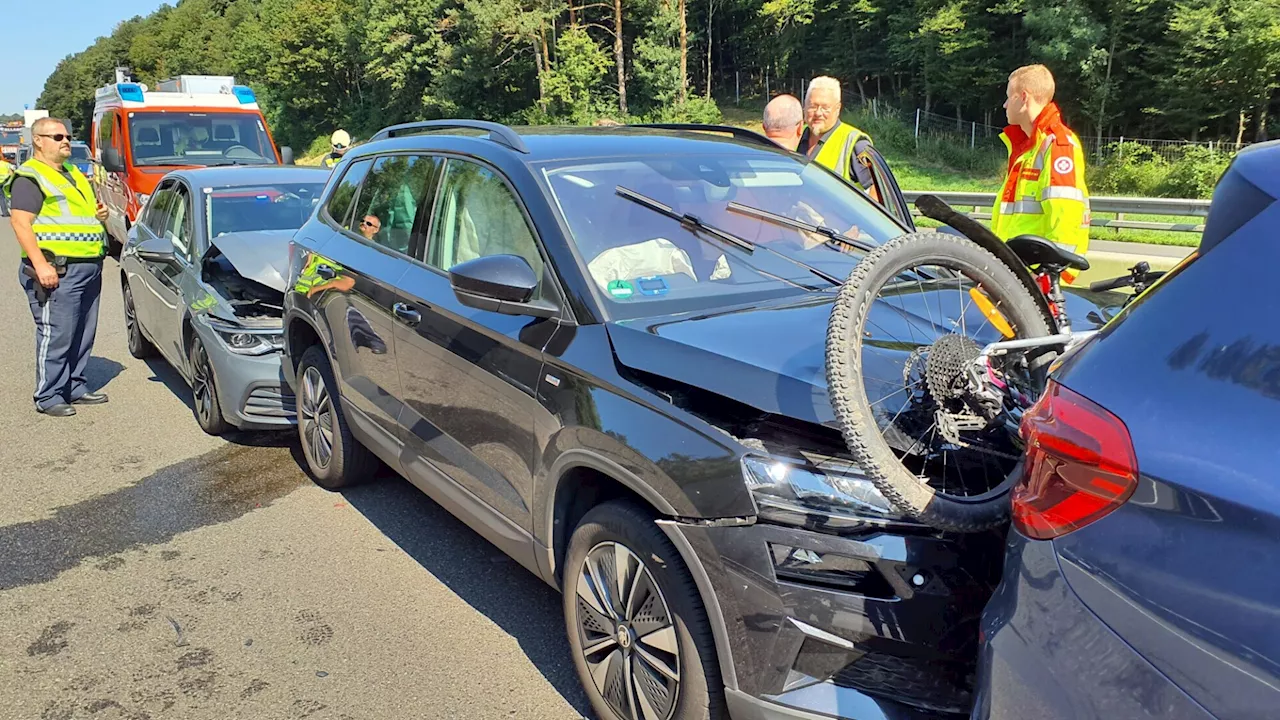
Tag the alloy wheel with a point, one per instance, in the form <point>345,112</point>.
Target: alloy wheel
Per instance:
<point>317,419</point>
<point>202,383</point>
<point>627,634</point>
<point>130,316</point>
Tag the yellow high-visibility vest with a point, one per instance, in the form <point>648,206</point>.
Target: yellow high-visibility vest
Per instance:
<point>67,224</point>
<point>837,150</point>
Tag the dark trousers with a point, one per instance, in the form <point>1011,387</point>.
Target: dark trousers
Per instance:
<point>66,321</point>
<point>4,205</point>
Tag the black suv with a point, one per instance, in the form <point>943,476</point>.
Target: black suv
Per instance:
<point>603,350</point>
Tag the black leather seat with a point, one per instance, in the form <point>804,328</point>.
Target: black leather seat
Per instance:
<point>1035,250</point>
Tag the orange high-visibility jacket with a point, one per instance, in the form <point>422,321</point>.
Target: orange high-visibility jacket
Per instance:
<point>1044,191</point>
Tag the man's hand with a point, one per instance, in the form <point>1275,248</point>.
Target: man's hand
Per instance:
<point>45,274</point>
<point>102,213</point>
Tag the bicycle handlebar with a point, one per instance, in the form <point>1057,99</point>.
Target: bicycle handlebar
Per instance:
<point>1112,284</point>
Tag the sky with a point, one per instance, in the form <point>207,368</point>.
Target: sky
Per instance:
<point>31,54</point>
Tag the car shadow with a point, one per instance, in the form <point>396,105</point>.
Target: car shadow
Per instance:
<point>163,372</point>
<point>488,580</point>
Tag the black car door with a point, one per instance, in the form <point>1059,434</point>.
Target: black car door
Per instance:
<point>361,265</point>
<point>469,376</point>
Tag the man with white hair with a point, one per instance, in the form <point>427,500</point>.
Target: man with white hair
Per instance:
<point>784,121</point>
<point>832,143</point>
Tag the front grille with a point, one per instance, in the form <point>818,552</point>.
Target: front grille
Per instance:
<point>270,402</point>
<point>931,684</point>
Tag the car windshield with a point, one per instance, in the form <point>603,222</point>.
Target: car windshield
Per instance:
<point>259,207</point>
<point>645,262</point>
<point>79,153</point>
<point>178,138</point>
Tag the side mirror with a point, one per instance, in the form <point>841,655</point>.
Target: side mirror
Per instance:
<point>500,283</point>
<point>286,155</point>
<point>156,250</point>
<point>111,160</point>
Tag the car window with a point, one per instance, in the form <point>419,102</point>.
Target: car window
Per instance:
<point>389,200</point>
<point>158,209</point>
<point>253,208</point>
<point>339,207</point>
<point>177,226</point>
<point>476,215</point>
<point>106,124</point>
<point>644,262</point>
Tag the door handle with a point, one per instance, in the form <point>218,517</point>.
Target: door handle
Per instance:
<point>407,314</point>
<point>326,272</point>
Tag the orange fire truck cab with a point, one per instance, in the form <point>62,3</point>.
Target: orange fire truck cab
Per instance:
<point>140,134</point>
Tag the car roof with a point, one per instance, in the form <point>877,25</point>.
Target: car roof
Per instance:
<point>251,175</point>
<point>549,143</point>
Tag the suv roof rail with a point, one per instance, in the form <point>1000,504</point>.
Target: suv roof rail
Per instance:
<point>738,132</point>
<point>498,132</point>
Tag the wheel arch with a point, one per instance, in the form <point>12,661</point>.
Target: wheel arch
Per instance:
<point>585,480</point>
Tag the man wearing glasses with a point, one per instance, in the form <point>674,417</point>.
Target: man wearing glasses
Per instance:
<point>836,145</point>
<point>58,222</point>
<point>339,141</point>
<point>370,226</point>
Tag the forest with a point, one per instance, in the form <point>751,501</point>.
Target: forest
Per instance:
<point>1177,69</point>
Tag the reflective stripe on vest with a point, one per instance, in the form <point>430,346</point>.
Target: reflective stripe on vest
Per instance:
<point>1035,200</point>
<point>67,224</point>
<point>837,150</point>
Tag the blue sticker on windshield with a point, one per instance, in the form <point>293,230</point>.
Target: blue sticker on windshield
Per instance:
<point>652,285</point>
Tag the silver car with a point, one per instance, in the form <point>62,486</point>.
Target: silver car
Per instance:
<point>203,275</point>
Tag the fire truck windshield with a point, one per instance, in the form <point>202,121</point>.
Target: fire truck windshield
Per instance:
<point>207,139</point>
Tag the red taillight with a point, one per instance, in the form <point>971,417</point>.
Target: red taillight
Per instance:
<point>1079,465</point>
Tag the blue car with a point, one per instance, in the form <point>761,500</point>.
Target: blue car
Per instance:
<point>1140,577</point>
<point>81,158</point>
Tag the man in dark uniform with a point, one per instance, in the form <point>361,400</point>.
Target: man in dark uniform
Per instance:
<point>58,222</point>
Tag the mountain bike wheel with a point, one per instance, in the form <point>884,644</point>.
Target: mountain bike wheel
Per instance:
<point>906,328</point>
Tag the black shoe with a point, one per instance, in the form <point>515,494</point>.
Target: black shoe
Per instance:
<point>59,410</point>
<point>90,399</point>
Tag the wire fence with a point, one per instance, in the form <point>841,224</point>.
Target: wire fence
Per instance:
<point>977,135</point>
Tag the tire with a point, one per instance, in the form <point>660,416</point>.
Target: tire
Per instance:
<point>847,386</point>
<point>139,346</point>
<point>335,458</point>
<point>204,391</point>
<point>663,612</point>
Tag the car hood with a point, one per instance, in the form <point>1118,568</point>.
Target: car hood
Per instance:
<point>259,255</point>
<point>772,356</point>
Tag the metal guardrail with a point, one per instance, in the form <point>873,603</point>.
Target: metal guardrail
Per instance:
<point>1120,206</point>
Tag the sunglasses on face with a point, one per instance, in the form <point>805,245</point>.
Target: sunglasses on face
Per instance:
<point>366,223</point>
<point>339,146</point>
<point>57,137</point>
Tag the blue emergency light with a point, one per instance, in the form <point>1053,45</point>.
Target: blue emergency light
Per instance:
<point>131,92</point>
<point>244,94</point>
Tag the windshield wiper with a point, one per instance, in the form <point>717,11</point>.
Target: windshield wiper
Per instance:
<point>783,220</point>
<point>694,223</point>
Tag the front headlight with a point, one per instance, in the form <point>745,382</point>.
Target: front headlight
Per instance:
<point>830,498</point>
<point>249,342</point>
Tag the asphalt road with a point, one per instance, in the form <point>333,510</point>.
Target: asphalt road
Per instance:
<point>150,571</point>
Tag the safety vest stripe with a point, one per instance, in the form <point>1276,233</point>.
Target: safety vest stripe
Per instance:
<point>1062,192</point>
<point>1025,206</point>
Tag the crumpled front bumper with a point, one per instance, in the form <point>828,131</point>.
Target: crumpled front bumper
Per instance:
<point>891,633</point>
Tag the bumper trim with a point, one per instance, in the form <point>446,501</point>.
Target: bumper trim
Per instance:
<point>744,707</point>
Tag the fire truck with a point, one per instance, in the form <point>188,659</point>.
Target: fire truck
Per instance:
<point>139,134</point>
